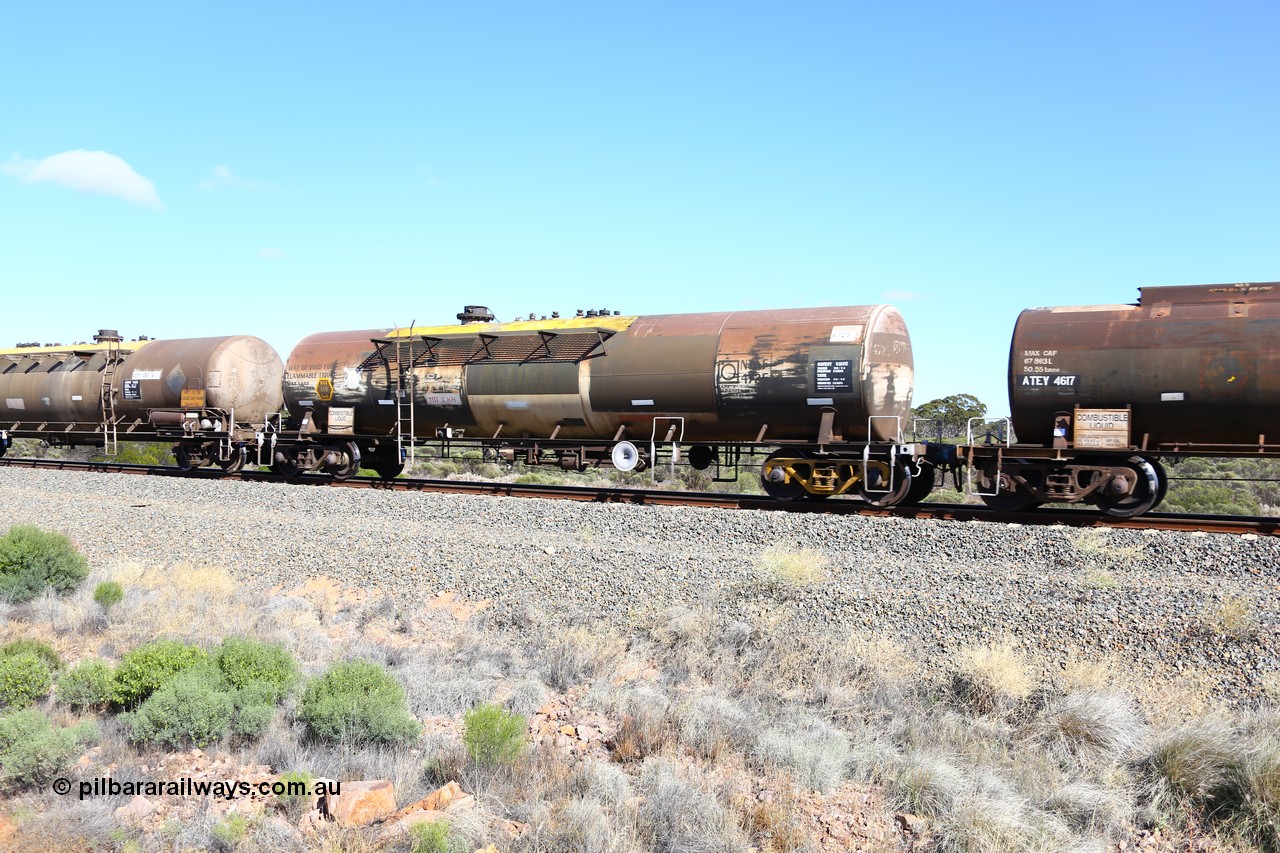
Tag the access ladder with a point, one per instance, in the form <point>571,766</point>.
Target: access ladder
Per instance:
<point>110,437</point>
<point>405,432</point>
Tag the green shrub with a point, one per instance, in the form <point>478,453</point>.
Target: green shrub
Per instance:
<point>137,453</point>
<point>252,720</point>
<point>1210,498</point>
<point>39,648</point>
<point>230,831</point>
<point>493,735</point>
<point>24,678</point>
<point>32,559</point>
<point>33,753</point>
<point>357,702</point>
<point>434,837</point>
<point>87,685</point>
<point>538,478</point>
<point>294,803</point>
<point>146,668</point>
<point>244,662</point>
<point>192,707</point>
<point>108,594</point>
<point>439,470</point>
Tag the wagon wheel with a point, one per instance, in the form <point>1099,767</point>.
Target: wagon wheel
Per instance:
<point>345,470</point>
<point>182,458</point>
<point>235,463</point>
<point>786,487</point>
<point>872,486</point>
<point>922,484</point>
<point>1148,490</point>
<point>286,468</point>
<point>388,466</point>
<point>1013,496</point>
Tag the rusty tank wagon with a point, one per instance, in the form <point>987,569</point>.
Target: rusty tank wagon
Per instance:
<point>830,386</point>
<point>1102,397</point>
<point>208,396</point>
<point>1099,394</point>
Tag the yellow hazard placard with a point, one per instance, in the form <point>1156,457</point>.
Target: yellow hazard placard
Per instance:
<point>324,389</point>
<point>192,399</point>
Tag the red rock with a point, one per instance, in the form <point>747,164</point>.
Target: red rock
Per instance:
<point>136,809</point>
<point>310,821</point>
<point>362,803</point>
<point>449,798</point>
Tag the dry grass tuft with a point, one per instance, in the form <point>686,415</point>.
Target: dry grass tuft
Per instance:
<point>1092,808</point>
<point>585,826</point>
<point>712,724</point>
<point>438,685</point>
<point>1235,616</point>
<point>64,825</point>
<point>1093,672</point>
<point>645,727</point>
<point>926,784</point>
<point>998,823</point>
<point>861,666</point>
<point>1099,543</point>
<point>580,655</point>
<point>1197,763</point>
<point>776,823</point>
<point>681,812</point>
<point>1261,786</point>
<point>1169,702</point>
<point>1098,579</point>
<point>607,784</point>
<point>786,568</point>
<point>1092,727</point>
<point>192,603</point>
<point>816,751</point>
<point>992,678</point>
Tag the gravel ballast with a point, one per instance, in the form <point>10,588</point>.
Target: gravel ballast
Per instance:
<point>1163,602</point>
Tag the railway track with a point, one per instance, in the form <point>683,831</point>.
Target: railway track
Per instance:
<point>655,497</point>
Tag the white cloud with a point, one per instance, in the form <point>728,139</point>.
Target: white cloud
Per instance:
<point>224,177</point>
<point>899,295</point>
<point>87,172</point>
<point>272,254</point>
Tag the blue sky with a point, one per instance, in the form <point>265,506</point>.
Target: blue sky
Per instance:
<point>280,169</point>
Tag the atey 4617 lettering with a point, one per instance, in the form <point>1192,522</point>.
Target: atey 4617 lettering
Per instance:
<point>1060,380</point>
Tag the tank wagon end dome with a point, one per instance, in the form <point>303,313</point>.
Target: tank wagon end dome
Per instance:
<point>239,372</point>
<point>1188,363</point>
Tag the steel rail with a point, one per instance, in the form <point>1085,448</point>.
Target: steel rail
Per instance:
<point>1040,516</point>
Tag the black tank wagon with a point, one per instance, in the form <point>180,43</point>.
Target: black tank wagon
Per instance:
<point>831,385</point>
<point>1099,394</point>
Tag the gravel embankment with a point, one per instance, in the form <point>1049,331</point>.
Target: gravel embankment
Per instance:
<point>1147,598</point>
